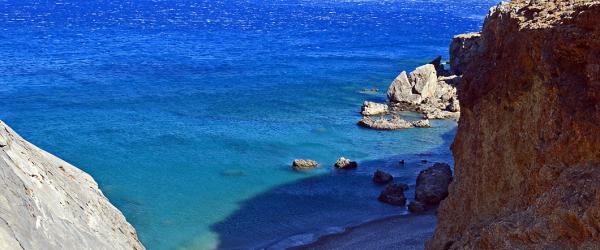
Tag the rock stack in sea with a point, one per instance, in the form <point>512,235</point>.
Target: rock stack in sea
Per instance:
<point>49,204</point>
<point>527,149</point>
<point>430,89</point>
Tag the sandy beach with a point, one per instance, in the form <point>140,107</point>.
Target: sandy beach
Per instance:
<point>400,232</point>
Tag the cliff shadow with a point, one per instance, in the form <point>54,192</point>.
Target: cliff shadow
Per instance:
<point>301,210</point>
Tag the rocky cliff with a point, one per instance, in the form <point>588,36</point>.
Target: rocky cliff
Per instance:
<point>527,150</point>
<point>46,203</point>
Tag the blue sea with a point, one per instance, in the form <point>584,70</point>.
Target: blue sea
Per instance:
<point>189,113</point>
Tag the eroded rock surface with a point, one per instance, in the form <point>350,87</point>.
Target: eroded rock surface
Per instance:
<point>46,203</point>
<point>302,164</point>
<point>343,163</point>
<point>463,49</point>
<point>373,108</point>
<point>527,161</point>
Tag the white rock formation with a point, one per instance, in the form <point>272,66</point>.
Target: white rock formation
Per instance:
<point>373,108</point>
<point>46,203</point>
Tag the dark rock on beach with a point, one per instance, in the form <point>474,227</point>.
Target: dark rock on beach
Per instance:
<point>381,177</point>
<point>432,184</point>
<point>394,194</point>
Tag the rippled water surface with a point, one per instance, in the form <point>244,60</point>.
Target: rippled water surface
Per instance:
<point>188,113</point>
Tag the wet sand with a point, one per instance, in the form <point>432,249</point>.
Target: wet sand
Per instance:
<point>400,232</point>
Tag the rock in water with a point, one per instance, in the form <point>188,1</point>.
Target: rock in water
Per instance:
<point>527,161</point>
<point>343,163</point>
<point>401,91</point>
<point>304,164</point>
<point>421,124</point>
<point>439,67</point>
<point>425,80</point>
<point>394,194</point>
<point>463,49</point>
<point>384,123</point>
<point>46,203</point>
<point>432,184</point>
<point>373,108</point>
<point>381,177</point>
<point>416,207</point>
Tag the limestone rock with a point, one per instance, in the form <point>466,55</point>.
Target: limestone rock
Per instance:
<point>424,79</point>
<point>463,49</point>
<point>439,67</point>
<point>401,90</point>
<point>373,108</point>
<point>421,124</point>
<point>432,184</point>
<point>394,194</point>
<point>343,163</point>
<point>384,123</point>
<point>46,203</point>
<point>300,164</point>
<point>381,177</point>
<point>527,162</point>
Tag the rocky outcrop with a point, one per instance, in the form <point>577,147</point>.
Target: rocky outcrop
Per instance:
<point>463,49</point>
<point>527,161</point>
<point>300,164</point>
<point>373,108</point>
<point>381,177</point>
<point>424,91</point>
<point>46,203</point>
<point>391,123</point>
<point>393,194</point>
<point>343,163</point>
<point>432,184</point>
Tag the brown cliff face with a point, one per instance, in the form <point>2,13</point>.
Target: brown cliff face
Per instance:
<point>527,151</point>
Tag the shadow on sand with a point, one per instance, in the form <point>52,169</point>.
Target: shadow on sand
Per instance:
<point>301,211</point>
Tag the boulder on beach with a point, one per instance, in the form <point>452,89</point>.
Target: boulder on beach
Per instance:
<point>300,164</point>
<point>373,108</point>
<point>393,194</point>
<point>432,184</point>
<point>381,177</point>
<point>343,163</point>
<point>384,123</point>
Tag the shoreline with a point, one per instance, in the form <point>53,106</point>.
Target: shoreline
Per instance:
<point>409,231</point>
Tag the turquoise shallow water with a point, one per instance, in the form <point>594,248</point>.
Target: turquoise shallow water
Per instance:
<point>189,113</point>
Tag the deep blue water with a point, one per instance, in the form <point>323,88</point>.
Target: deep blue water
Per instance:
<point>189,113</point>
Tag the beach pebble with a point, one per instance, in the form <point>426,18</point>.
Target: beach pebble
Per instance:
<point>343,163</point>
<point>393,194</point>
<point>381,177</point>
<point>299,164</point>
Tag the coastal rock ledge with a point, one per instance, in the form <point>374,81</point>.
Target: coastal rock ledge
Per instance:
<point>46,203</point>
<point>527,149</point>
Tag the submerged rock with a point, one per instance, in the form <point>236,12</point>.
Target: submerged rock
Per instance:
<point>381,177</point>
<point>47,203</point>
<point>432,184</point>
<point>416,207</point>
<point>373,108</point>
<point>299,164</point>
<point>394,194</point>
<point>385,123</point>
<point>343,163</point>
